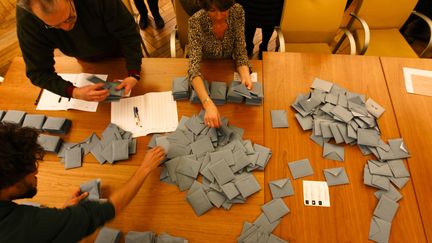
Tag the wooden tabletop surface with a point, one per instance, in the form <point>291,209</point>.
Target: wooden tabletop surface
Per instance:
<point>414,117</point>
<point>158,207</point>
<point>348,219</point>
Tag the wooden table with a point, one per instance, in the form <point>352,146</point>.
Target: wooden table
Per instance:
<point>348,219</point>
<point>158,207</point>
<point>414,115</point>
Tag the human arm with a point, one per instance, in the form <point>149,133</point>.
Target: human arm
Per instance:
<point>211,117</point>
<point>121,197</point>
<point>76,197</point>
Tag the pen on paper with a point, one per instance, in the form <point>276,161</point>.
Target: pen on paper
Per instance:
<point>59,100</point>
<point>38,97</point>
<point>136,115</point>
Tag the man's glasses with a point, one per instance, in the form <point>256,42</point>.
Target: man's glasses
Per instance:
<point>72,17</point>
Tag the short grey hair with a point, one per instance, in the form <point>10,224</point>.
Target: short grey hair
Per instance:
<point>47,6</point>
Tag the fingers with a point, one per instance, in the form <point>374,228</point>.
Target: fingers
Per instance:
<point>76,192</point>
<point>82,196</point>
<point>249,85</point>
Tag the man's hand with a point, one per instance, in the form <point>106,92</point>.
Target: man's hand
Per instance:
<point>153,158</point>
<point>94,92</point>
<point>127,83</point>
<point>76,197</point>
<point>211,117</point>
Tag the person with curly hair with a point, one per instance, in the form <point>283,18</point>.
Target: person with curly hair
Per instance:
<point>20,154</point>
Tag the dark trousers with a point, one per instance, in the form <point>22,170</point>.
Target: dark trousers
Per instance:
<point>142,9</point>
<point>250,29</point>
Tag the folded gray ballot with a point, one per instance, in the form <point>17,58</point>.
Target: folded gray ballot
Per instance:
<point>180,88</point>
<point>140,237</point>
<point>93,188</point>
<point>34,121</point>
<point>108,235</point>
<point>13,116</point>
<point>57,125</point>
<point>232,95</point>
<point>114,94</point>
<point>49,143</point>
<point>218,92</point>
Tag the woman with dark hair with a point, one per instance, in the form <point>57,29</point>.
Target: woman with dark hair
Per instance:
<point>216,31</point>
<point>264,14</point>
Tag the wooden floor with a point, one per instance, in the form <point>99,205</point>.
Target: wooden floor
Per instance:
<point>156,41</point>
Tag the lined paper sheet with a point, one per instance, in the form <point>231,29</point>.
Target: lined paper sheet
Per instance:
<point>418,81</point>
<point>54,102</point>
<point>157,112</point>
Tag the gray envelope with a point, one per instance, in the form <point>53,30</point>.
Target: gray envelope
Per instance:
<point>13,116</point>
<point>180,84</point>
<point>264,224</point>
<point>369,137</point>
<point>279,118</point>
<point>152,142</point>
<point>96,151</point>
<point>331,98</point>
<point>166,238</point>
<point>93,188</point>
<point>399,182</point>
<point>342,113</point>
<point>199,201</point>
<point>309,104</point>
<point>108,235</point>
<point>140,237</point>
<point>216,198</point>
<point>225,154</point>
<point>386,209</point>
<point>318,139</point>
<point>56,125</point>
<point>379,230</point>
<point>336,133</point>
<point>392,193</point>
<point>275,209</point>
<point>322,85</point>
<point>120,149</point>
<point>218,90</point>
<point>325,130</point>
<point>374,108</point>
<point>247,185</point>
<point>49,143</point>
<point>34,121</point>
<point>242,90</point>
<point>381,182</point>
<point>264,155</point>
<point>274,239</point>
<point>230,190</point>
<point>163,142</point>
<point>306,122</point>
<point>222,172</point>
<point>379,168</point>
<point>336,176</point>
<point>398,168</point>
<point>202,146</point>
<point>281,188</point>
<point>73,158</point>
<point>333,152</point>
<point>300,168</point>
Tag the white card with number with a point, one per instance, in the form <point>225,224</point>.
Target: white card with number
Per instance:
<point>316,193</point>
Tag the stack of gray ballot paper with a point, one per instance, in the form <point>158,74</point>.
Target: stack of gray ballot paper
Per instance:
<point>57,125</point>
<point>180,88</point>
<point>256,94</point>
<point>194,97</point>
<point>108,235</point>
<point>150,237</point>
<point>261,230</point>
<point>218,91</point>
<point>232,95</point>
<point>13,116</point>
<point>35,121</point>
<point>114,94</point>
<point>279,118</point>
<point>93,187</point>
<point>50,143</point>
<point>221,156</point>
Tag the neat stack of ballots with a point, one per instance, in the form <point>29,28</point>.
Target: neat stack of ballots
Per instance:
<point>256,94</point>
<point>233,96</point>
<point>180,88</point>
<point>194,97</point>
<point>218,92</point>
<point>15,117</point>
<point>57,125</point>
<point>114,94</point>
<point>35,121</point>
<point>50,143</point>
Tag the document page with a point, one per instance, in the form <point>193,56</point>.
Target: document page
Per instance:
<point>418,81</point>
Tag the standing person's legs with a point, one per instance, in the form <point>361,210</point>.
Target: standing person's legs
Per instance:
<point>154,8</point>
<point>142,9</point>
<point>249,36</point>
<point>267,32</point>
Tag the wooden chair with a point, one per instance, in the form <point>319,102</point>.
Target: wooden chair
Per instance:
<point>135,15</point>
<point>181,30</point>
<point>381,35</point>
<point>311,26</point>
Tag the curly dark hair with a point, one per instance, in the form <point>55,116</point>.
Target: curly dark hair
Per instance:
<point>19,153</point>
<point>221,5</point>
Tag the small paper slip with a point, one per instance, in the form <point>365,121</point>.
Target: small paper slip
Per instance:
<point>316,193</point>
<point>418,81</point>
<point>53,102</point>
<point>157,112</point>
<point>253,77</point>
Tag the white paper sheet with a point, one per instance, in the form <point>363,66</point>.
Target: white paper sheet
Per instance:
<point>253,77</point>
<point>409,82</point>
<point>54,102</point>
<point>316,193</point>
<point>157,112</point>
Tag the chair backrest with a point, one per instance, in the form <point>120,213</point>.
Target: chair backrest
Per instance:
<point>384,14</point>
<point>311,21</point>
<point>182,23</point>
<point>128,6</point>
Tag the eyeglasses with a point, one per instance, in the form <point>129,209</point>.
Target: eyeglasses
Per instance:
<point>72,17</point>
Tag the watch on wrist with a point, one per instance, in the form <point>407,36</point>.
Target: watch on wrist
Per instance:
<point>135,76</point>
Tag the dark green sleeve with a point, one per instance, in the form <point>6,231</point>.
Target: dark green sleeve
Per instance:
<point>121,24</point>
<point>72,223</point>
<point>38,53</point>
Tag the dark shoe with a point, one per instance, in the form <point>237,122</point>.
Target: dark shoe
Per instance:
<point>159,22</point>
<point>143,22</point>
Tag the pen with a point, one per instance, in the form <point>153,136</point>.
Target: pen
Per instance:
<point>59,100</point>
<point>136,115</point>
<point>38,97</point>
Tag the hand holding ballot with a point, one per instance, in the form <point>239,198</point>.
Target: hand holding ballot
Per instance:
<point>94,92</point>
